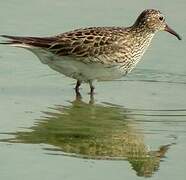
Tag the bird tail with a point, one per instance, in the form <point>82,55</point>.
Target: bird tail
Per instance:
<point>26,42</point>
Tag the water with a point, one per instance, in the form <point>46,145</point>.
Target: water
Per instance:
<point>134,128</point>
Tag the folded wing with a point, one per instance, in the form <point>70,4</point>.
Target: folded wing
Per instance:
<point>79,43</point>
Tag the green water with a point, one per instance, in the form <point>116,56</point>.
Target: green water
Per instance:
<point>134,128</point>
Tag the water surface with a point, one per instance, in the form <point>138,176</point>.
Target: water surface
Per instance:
<point>134,128</point>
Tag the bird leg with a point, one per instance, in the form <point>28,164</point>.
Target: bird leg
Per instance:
<point>78,84</point>
<point>91,101</point>
<point>91,88</point>
<point>78,96</point>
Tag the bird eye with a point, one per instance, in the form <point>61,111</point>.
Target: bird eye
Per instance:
<point>161,18</point>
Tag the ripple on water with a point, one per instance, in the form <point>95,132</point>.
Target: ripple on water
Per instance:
<point>155,76</point>
<point>102,131</point>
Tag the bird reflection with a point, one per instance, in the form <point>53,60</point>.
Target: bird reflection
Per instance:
<point>93,131</point>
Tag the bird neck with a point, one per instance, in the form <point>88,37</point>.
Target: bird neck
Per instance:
<point>141,32</point>
<point>140,37</point>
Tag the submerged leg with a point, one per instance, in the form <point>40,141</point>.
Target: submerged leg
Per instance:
<point>78,96</point>
<point>91,101</point>
<point>91,87</point>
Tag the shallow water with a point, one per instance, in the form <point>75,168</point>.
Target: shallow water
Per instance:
<point>134,127</point>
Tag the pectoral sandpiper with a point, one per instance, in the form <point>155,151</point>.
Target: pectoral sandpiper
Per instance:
<point>96,53</point>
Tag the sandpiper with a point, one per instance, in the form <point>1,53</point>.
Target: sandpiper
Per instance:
<point>96,53</point>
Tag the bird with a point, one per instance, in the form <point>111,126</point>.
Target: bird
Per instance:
<point>96,53</point>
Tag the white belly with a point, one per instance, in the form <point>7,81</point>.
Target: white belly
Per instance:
<point>77,69</point>
<point>81,71</point>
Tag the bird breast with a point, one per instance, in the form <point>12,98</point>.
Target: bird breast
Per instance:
<point>132,51</point>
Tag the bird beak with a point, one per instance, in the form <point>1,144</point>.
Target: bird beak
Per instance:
<point>168,29</point>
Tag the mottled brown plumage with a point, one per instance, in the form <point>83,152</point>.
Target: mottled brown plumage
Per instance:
<point>96,53</point>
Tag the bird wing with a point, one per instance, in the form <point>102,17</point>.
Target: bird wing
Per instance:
<point>88,42</point>
<point>85,42</point>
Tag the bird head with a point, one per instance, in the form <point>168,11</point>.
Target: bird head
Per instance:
<point>154,21</point>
